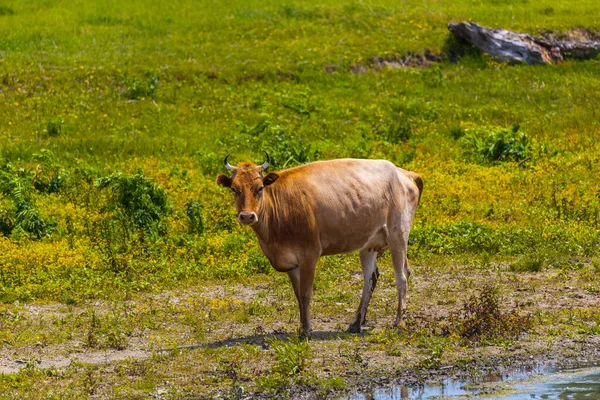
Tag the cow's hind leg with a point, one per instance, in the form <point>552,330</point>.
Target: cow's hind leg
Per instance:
<point>398,247</point>
<point>368,260</point>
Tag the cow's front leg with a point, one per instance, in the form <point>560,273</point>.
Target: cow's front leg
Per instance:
<point>302,280</point>
<point>295,279</point>
<point>307,278</point>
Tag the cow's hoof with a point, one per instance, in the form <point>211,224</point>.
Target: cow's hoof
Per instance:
<point>304,335</point>
<point>400,325</point>
<point>353,328</point>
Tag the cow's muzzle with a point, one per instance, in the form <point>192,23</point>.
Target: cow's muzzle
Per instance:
<point>247,218</point>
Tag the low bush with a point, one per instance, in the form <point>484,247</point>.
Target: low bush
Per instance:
<point>54,126</point>
<point>456,131</point>
<point>459,237</point>
<point>291,356</point>
<point>529,263</point>
<point>286,150</point>
<point>139,87</point>
<point>193,210</point>
<point>48,176</point>
<point>481,318</point>
<point>141,200</point>
<point>496,144</point>
<point>20,216</point>
<point>396,132</point>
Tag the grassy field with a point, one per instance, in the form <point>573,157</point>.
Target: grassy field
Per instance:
<point>116,244</point>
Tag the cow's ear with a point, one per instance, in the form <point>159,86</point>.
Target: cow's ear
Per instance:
<point>270,178</point>
<point>223,180</point>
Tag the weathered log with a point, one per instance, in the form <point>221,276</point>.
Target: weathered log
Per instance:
<point>571,49</point>
<point>511,46</point>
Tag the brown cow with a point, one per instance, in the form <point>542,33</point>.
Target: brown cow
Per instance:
<point>329,207</point>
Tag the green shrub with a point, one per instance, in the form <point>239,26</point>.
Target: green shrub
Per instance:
<point>193,210</point>
<point>54,126</point>
<point>433,359</point>
<point>257,262</point>
<point>289,151</point>
<point>140,199</point>
<point>21,217</point>
<point>596,265</point>
<point>136,88</point>
<point>496,144</point>
<point>28,218</point>
<point>49,176</point>
<point>396,132</point>
<point>528,264</point>
<point>300,103</point>
<point>6,10</point>
<point>458,237</point>
<point>285,149</point>
<point>291,356</point>
<point>456,132</point>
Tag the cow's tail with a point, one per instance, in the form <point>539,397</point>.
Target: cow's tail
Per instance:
<point>417,180</point>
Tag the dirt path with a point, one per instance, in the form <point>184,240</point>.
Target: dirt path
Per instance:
<point>14,358</point>
<point>230,327</point>
<point>13,365</point>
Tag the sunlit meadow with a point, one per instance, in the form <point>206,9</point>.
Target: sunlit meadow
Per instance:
<point>115,117</point>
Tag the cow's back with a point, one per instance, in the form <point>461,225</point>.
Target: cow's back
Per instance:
<point>350,199</point>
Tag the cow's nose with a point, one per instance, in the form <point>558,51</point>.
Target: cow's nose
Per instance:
<point>247,218</point>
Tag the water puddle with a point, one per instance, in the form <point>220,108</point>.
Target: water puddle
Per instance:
<point>578,384</point>
<point>574,382</point>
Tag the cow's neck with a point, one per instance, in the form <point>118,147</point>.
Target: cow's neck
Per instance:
<point>261,226</point>
<point>260,231</point>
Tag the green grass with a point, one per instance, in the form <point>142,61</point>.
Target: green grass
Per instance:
<point>168,89</point>
<point>116,117</point>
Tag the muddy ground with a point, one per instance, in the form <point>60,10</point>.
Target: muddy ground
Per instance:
<point>223,339</point>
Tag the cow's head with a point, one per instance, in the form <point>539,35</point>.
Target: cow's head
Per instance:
<point>247,184</point>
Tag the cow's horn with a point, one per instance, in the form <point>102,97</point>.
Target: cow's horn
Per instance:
<point>266,163</point>
<point>229,167</point>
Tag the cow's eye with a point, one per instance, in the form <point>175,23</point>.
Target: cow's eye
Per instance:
<point>260,190</point>
<point>235,192</point>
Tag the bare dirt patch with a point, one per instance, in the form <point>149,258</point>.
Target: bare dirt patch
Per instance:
<point>222,334</point>
<point>377,63</point>
<point>31,358</point>
<point>580,35</point>
<point>409,60</point>
<point>139,343</point>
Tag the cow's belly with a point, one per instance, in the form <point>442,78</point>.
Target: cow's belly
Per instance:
<point>357,238</point>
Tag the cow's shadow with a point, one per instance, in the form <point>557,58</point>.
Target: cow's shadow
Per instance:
<point>262,339</point>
